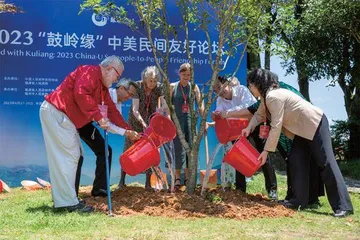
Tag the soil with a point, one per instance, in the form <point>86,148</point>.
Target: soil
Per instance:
<point>217,203</point>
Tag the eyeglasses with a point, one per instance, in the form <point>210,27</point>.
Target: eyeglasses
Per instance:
<point>219,88</point>
<point>118,74</point>
<point>129,93</point>
<point>250,86</point>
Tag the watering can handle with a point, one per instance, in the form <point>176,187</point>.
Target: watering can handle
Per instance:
<point>239,137</point>
<point>144,135</point>
<point>151,115</point>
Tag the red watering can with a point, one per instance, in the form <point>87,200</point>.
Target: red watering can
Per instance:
<point>144,154</point>
<point>161,130</point>
<point>140,157</point>
<point>243,157</point>
<point>229,129</point>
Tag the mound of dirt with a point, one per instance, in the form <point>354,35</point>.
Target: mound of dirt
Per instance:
<point>216,203</point>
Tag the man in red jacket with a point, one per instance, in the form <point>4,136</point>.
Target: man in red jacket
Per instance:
<point>125,89</point>
<point>73,104</point>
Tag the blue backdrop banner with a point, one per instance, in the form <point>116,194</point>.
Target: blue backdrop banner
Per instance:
<point>40,46</point>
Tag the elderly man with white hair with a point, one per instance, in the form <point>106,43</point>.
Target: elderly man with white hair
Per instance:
<point>73,104</point>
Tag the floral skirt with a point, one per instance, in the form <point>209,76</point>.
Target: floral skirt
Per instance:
<point>227,171</point>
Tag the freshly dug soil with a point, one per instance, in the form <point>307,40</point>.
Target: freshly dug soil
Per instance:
<point>216,203</point>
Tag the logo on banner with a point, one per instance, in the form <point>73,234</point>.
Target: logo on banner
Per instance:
<point>99,20</point>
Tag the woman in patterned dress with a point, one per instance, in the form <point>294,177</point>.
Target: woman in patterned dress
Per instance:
<point>146,100</point>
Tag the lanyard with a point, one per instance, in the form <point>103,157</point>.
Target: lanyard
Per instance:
<point>265,113</point>
<point>102,95</point>
<point>147,104</point>
<point>182,91</point>
<point>147,100</point>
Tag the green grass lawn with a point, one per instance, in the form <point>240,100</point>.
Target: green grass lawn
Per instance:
<point>29,215</point>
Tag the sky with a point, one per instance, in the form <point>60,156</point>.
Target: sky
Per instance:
<point>329,99</point>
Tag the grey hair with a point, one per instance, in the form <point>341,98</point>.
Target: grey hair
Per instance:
<point>126,83</point>
<point>151,72</point>
<point>112,59</point>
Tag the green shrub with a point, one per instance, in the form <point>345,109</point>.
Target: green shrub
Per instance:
<point>350,168</point>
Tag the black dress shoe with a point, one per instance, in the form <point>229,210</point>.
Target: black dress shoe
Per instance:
<point>314,204</point>
<point>99,193</point>
<point>80,208</point>
<point>342,213</point>
<point>290,205</point>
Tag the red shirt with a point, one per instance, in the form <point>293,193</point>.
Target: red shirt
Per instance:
<point>80,93</point>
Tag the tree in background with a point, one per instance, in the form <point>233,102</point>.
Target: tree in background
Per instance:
<point>281,21</point>
<point>278,39</point>
<point>340,138</point>
<point>293,60</point>
<point>236,23</point>
<point>325,44</point>
<point>330,49</point>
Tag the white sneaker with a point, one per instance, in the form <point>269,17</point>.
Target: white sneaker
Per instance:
<point>250,179</point>
<point>273,195</point>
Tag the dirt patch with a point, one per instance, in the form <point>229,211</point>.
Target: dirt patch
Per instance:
<point>217,203</point>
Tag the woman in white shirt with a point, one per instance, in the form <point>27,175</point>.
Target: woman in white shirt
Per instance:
<point>232,97</point>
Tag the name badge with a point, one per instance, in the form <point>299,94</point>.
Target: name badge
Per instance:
<point>185,108</point>
<point>264,131</point>
<point>103,110</point>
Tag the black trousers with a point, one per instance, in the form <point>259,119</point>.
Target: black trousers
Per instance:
<point>92,137</point>
<point>268,168</point>
<point>316,185</point>
<point>322,154</point>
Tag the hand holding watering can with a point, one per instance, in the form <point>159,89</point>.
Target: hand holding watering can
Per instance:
<point>132,135</point>
<point>263,156</point>
<point>246,132</point>
<point>103,123</point>
<point>264,131</point>
<point>215,115</point>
